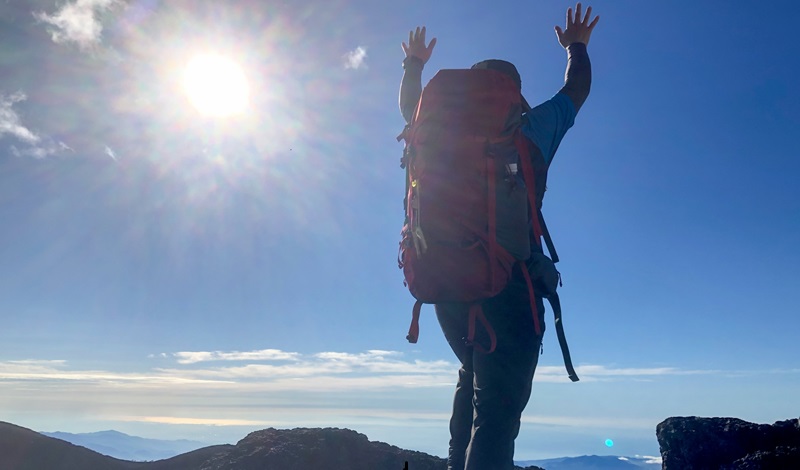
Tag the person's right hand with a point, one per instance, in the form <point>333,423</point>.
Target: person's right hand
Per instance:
<point>578,29</point>
<point>416,45</point>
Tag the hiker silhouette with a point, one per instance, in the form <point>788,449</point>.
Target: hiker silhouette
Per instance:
<point>464,117</point>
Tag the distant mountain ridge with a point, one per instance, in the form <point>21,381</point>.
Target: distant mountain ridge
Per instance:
<point>597,462</point>
<point>127,447</point>
<point>268,449</point>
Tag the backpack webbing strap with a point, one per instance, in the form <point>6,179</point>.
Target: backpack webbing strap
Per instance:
<point>555,303</point>
<point>530,182</point>
<point>532,297</point>
<point>476,314</point>
<point>413,330</point>
<point>547,240</point>
<point>490,170</point>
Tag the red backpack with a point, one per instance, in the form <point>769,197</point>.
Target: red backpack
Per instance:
<point>468,210</point>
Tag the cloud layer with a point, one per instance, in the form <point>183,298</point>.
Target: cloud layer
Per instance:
<point>277,370</point>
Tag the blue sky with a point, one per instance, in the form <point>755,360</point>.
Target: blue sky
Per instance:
<point>174,275</point>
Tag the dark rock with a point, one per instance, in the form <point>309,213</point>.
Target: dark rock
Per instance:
<point>780,458</point>
<point>692,443</point>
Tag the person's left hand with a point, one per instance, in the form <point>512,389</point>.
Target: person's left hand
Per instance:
<point>416,45</point>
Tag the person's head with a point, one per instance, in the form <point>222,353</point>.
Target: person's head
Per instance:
<point>507,68</point>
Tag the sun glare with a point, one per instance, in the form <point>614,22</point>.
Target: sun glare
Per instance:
<point>216,86</point>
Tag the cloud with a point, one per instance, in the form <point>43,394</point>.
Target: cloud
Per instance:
<point>32,144</point>
<point>266,370</point>
<point>355,58</point>
<point>77,21</point>
<point>272,387</point>
<point>194,421</point>
<point>57,371</point>
<point>276,370</point>
<point>287,416</point>
<point>596,373</point>
<point>584,422</point>
<point>10,121</point>
<point>193,357</point>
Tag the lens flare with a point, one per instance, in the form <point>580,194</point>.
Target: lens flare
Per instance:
<point>609,443</point>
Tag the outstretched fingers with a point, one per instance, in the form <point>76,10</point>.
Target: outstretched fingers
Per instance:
<point>594,22</point>
<point>416,44</point>
<point>588,15</point>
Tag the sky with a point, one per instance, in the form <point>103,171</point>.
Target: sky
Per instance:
<point>172,273</point>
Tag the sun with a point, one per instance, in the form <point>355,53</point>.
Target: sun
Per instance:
<point>216,86</point>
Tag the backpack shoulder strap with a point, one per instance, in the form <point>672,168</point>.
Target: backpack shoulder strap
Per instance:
<point>535,175</point>
<point>523,147</point>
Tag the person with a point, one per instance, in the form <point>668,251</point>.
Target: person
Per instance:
<point>493,389</point>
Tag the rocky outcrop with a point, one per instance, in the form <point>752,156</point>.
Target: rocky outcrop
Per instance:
<point>323,449</point>
<point>692,443</point>
<point>303,448</point>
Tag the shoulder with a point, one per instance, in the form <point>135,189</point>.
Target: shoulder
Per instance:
<point>559,106</point>
<point>546,124</point>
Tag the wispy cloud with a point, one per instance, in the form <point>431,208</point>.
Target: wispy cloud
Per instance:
<point>595,373</point>
<point>274,369</point>
<point>77,21</point>
<point>194,421</point>
<point>193,357</point>
<point>59,371</point>
<point>356,58</point>
<point>584,422</point>
<point>263,370</point>
<point>29,143</point>
<point>286,416</point>
<point>10,122</point>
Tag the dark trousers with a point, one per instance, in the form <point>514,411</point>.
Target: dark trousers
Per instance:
<point>493,389</point>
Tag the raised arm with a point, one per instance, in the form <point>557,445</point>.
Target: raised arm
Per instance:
<point>417,54</point>
<point>575,38</point>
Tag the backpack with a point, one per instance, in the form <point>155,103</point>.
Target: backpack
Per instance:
<point>471,214</point>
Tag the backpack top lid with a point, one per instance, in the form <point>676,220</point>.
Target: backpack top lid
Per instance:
<point>507,68</point>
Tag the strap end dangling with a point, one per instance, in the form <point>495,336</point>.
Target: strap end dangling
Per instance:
<point>413,330</point>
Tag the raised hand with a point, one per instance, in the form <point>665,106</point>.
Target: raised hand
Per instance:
<point>416,45</point>
<point>578,30</point>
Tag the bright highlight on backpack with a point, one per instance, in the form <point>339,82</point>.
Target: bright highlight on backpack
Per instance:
<point>216,86</point>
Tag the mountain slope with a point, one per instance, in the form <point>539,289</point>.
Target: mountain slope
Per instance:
<point>23,449</point>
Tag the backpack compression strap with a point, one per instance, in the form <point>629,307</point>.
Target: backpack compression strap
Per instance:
<point>547,240</point>
<point>413,330</point>
<point>475,314</point>
<point>555,303</point>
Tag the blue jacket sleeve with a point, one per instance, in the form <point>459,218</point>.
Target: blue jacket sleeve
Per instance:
<point>546,124</point>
